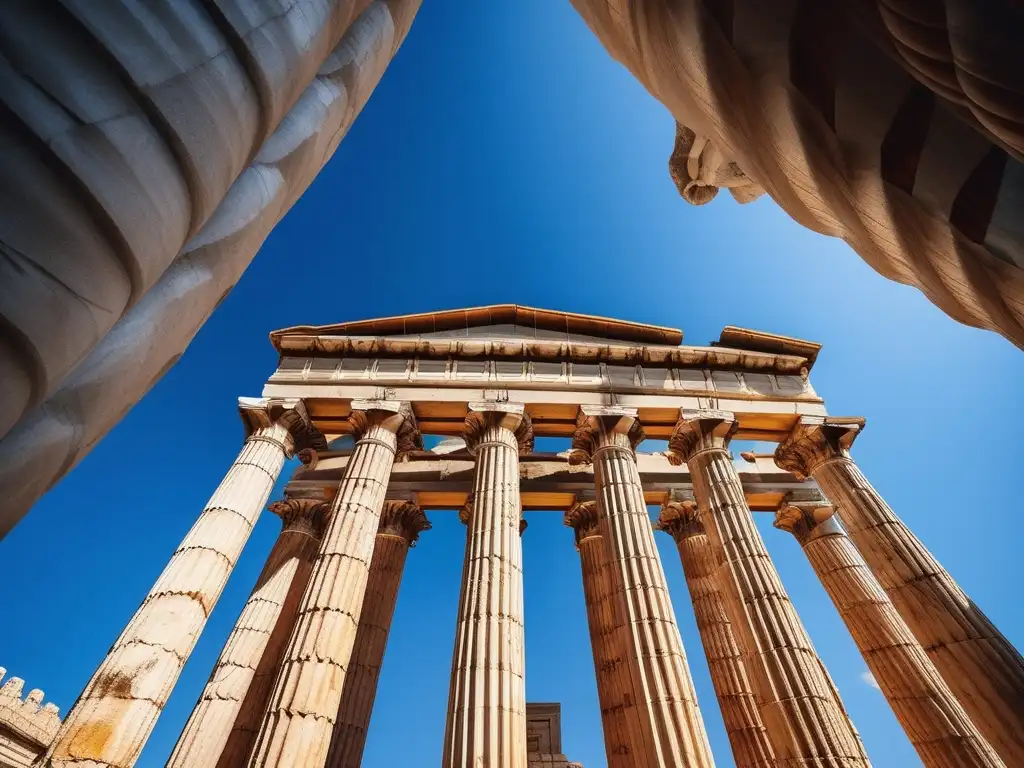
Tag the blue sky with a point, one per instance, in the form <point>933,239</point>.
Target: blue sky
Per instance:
<point>506,158</point>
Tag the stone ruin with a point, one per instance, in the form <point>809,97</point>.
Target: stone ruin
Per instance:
<point>27,726</point>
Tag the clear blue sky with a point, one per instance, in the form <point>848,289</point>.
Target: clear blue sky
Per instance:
<point>506,158</point>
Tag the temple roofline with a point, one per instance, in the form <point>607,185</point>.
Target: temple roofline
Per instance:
<point>495,314</point>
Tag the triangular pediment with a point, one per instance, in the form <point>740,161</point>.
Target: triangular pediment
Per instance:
<point>499,321</point>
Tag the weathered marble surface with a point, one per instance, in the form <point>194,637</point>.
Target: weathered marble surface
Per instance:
<point>98,330</point>
<point>116,713</point>
<point>894,126</point>
<point>121,159</point>
<point>934,721</point>
<point>980,665</point>
<point>748,737</point>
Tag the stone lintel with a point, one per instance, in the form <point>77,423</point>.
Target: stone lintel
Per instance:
<point>547,481</point>
<point>441,406</point>
<point>815,440</point>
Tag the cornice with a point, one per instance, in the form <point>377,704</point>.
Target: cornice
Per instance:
<point>712,357</point>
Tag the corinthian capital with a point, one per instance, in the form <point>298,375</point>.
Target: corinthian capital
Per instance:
<point>262,412</point>
<point>816,440</point>
<point>302,515</point>
<point>698,431</point>
<point>680,519</point>
<point>583,519</point>
<point>604,427</point>
<point>484,417</point>
<point>404,519</point>
<point>392,415</point>
<point>805,517</point>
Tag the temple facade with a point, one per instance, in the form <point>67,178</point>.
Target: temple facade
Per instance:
<point>295,682</point>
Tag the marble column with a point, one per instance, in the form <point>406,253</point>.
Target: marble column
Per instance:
<point>751,746</point>
<point>114,716</point>
<point>400,525</point>
<point>666,728</point>
<point>486,721</point>
<point>799,706</point>
<point>980,666</point>
<point>264,618</point>
<point>609,658</point>
<point>932,718</point>
<point>297,726</point>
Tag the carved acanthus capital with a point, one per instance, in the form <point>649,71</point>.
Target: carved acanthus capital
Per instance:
<point>583,518</point>
<point>484,417</point>
<point>466,510</point>
<point>404,519</point>
<point>302,515</point>
<point>394,416</point>
<point>806,517</point>
<point>309,457</point>
<point>680,519</point>
<point>698,431</point>
<point>600,427</point>
<point>261,412</point>
<point>699,168</point>
<point>816,440</point>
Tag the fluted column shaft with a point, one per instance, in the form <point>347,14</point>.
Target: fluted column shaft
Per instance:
<point>609,658</point>
<point>667,728</point>
<point>486,722</point>
<point>257,639</point>
<point>400,524</point>
<point>113,718</point>
<point>980,666</point>
<point>751,746</point>
<point>799,704</point>
<point>297,726</point>
<point>933,720</point>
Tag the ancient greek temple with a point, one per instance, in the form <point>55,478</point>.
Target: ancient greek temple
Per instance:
<point>296,680</point>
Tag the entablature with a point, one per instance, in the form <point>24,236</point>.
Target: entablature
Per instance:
<point>441,409</point>
<point>547,481</point>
